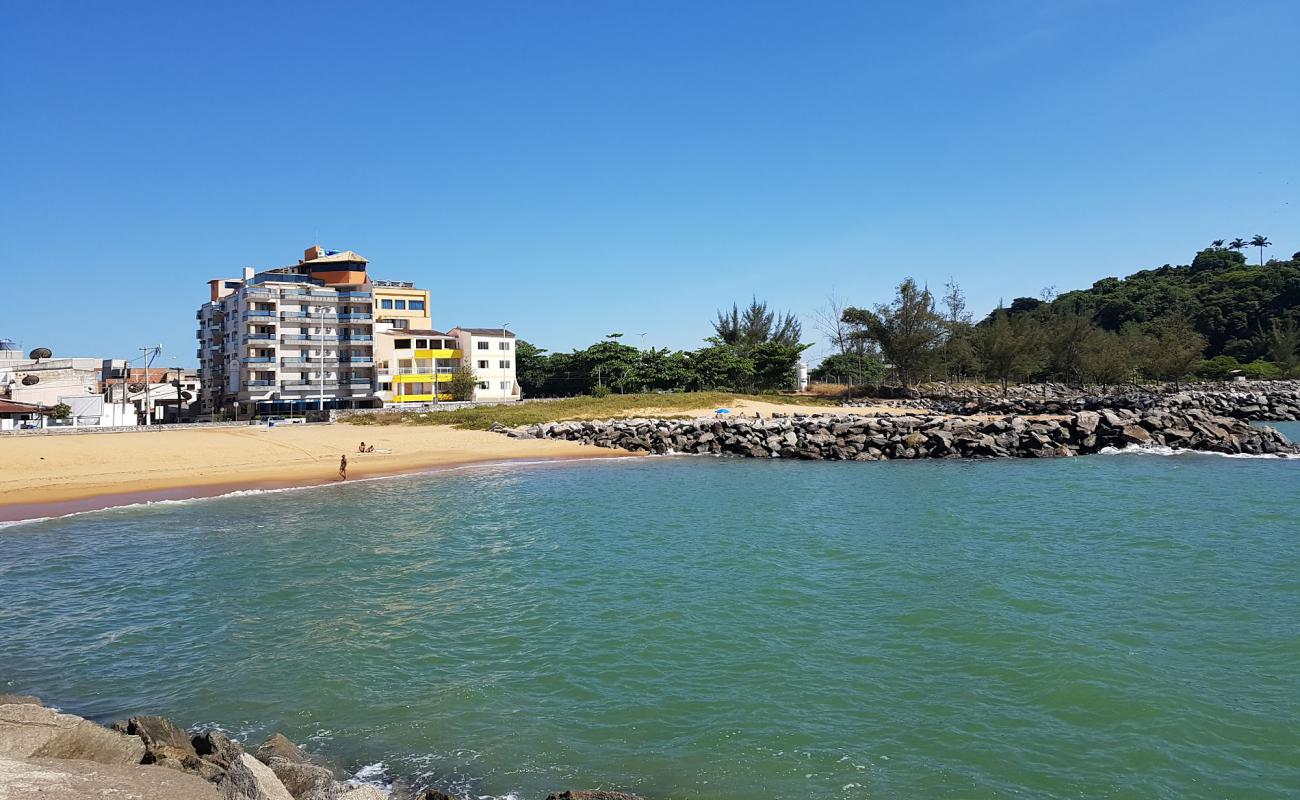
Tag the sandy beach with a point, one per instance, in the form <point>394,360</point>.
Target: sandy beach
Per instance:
<point>45,475</point>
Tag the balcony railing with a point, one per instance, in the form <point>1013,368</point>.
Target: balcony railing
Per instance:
<point>356,317</point>
<point>259,383</point>
<point>258,313</point>
<point>342,340</point>
<point>259,359</point>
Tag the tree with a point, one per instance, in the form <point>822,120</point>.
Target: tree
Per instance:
<point>719,366</point>
<point>1106,357</point>
<point>755,325</point>
<point>1217,244</point>
<point>1173,347</point>
<point>958,350</point>
<point>60,411</point>
<point>1261,241</point>
<point>774,365</point>
<point>829,319</point>
<point>854,368</point>
<point>1282,345</point>
<point>463,383</point>
<point>908,331</point>
<point>1008,347</point>
<point>1238,244</point>
<point>532,368</point>
<point>1066,337</point>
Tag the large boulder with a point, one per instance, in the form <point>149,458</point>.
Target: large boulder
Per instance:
<point>216,748</point>
<point>19,700</point>
<point>279,746</point>
<point>65,779</point>
<point>301,778</point>
<point>25,728</point>
<point>165,744</point>
<point>250,779</point>
<point>86,741</point>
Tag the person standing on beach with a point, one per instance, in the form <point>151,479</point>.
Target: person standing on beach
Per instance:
<point>343,467</point>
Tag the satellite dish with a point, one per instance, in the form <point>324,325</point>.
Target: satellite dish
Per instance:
<point>136,387</point>
<point>31,380</point>
<point>39,353</point>
<point>186,396</point>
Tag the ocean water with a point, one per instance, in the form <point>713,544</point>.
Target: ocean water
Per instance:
<point>1117,626</point>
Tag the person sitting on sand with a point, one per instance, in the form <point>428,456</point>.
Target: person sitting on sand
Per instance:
<point>370,449</point>
<point>343,467</point>
<point>361,448</point>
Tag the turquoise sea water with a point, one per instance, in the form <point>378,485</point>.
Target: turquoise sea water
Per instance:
<point>1122,626</point>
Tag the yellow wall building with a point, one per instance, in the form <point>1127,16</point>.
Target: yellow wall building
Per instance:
<point>402,305</point>
<point>415,364</point>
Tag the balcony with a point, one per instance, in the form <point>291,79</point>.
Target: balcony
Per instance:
<point>260,337</point>
<point>258,313</point>
<point>356,317</point>
<point>259,360</point>
<point>258,383</point>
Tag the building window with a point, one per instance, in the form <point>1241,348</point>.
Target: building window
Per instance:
<point>385,303</point>
<point>504,364</point>
<point>399,304</point>
<point>505,384</point>
<point>483,385</point>
<point>504,345</point>
<point>402,344</point>
<point>416,305</point>
<point>384,386</point>
<point>483,364</point>
<point>483,345</point>
<point>421,344</point>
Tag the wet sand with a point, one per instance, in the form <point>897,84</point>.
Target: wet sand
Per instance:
<point>48,475</point>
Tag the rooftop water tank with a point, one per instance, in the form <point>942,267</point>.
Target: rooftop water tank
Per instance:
<point>9,344</point>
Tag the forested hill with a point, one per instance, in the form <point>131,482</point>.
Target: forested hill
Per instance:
<point>1230,302</point>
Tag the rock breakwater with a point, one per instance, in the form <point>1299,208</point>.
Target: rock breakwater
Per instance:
<point>883,438</point>
<point>46,753</point>
<point>1277,402</point>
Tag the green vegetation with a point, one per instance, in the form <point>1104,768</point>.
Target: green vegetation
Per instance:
<point>753,350</point>
<point>60,411</point>
<point>1215,318</point>
<point>462,383</point>
<point>514,414</point>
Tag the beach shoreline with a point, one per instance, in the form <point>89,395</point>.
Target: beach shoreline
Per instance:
<point>48,476</point>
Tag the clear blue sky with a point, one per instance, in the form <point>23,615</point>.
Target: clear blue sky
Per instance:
<point>581,168</point>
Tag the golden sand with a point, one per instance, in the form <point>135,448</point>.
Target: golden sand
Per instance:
<point>42,474</point>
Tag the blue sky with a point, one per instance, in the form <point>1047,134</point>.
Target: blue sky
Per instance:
<point>581,168</point>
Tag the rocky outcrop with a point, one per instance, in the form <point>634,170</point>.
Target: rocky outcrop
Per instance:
<point>61,756</point>
<point>30,730</point>
<point>71,779</point>
<point>250,779</point>
<point>882,438</point>
<point>592,795</point>
<point>1274,400</point>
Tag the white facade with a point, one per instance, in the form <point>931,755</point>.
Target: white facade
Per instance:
<point>24,380</point>
<point>490,352</point>
<point>281,340</point>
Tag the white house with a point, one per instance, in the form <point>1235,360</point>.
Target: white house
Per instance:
<point>490,352</point>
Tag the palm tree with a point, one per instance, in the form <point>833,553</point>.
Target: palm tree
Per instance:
<point>1217,244</point>
<point>1238,244</point>
<point>1261,241</point>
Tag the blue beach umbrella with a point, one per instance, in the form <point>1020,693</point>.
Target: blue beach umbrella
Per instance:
<point>724,411</point>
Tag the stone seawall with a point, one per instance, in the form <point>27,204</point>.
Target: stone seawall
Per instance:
<point>1278,403</point>
<point>882,438</point>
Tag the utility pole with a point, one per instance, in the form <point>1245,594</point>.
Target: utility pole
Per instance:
<point>147,356</point>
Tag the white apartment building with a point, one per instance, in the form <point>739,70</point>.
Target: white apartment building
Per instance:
<point>490,352</point>
<point>290,339</point>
